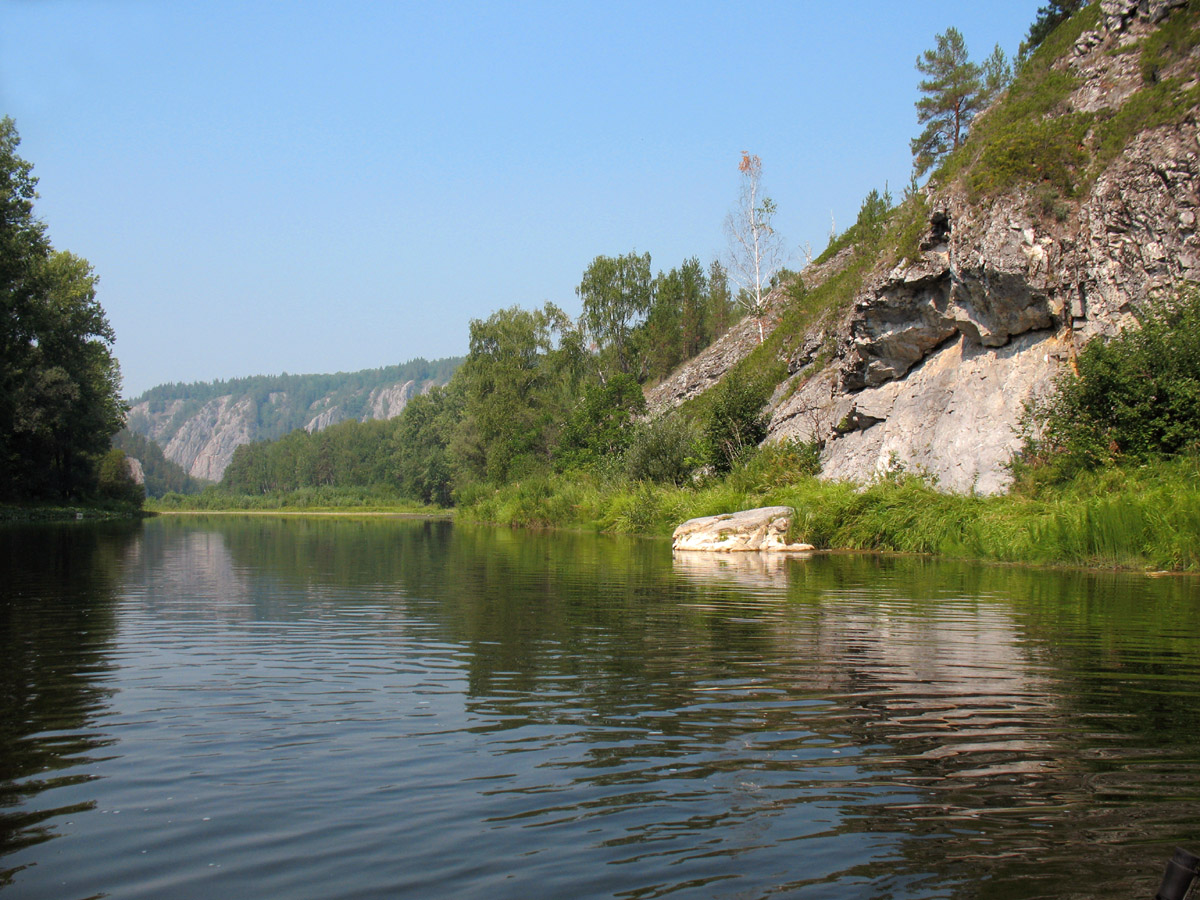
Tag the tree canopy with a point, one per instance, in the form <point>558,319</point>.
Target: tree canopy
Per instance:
<point>953,91</point>
<point>59,382</point>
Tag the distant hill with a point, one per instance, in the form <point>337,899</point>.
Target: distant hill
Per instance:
<point>199,425</point>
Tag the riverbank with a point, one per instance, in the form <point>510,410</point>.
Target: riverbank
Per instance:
<point>43,513</point>
<point>309,501</point>
<point>1145,518</point>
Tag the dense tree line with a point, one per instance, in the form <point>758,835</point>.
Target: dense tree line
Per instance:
<point>59,382</point>
<point>537,392</point>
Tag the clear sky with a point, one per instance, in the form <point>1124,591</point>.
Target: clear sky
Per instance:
<point>317,186</point>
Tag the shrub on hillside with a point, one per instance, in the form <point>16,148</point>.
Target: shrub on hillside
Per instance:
<point>1136,396</point>
<point>663,450</point>
<point>735,421</point>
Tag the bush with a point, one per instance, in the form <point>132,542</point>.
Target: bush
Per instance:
<point>735,421</point>
<point>663,450</point>
<point>1136,396</point>
<point>115,481</point>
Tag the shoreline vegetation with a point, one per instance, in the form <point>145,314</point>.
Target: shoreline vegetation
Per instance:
<point>1142,517</point>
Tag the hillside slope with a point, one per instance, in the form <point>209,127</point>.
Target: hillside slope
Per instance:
<point>199,426</point>
<point>1073,202</point>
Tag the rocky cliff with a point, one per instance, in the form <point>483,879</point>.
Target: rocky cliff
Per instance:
<point>200,426</point>
<point>929,367</point>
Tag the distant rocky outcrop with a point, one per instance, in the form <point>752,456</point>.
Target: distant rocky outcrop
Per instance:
<point>200,426</point>
<point>136,472</point>
<point>930,368</point>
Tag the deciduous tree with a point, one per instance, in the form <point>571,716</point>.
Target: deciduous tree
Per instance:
<point>59,383</point>
<point>756,251</point>
<point>617,292</point>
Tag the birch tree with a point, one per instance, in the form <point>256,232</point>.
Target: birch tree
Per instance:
<point>755,250</point>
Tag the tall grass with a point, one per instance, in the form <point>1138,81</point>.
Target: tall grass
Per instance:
<point>1143,518</point>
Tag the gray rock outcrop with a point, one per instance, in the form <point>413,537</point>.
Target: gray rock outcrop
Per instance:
<point>201,435</point>
<point>931,368</point>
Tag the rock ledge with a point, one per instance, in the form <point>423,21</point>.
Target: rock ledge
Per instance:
<point>752,529</point>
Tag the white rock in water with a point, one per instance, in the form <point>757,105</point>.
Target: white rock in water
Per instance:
<point>751,529</point>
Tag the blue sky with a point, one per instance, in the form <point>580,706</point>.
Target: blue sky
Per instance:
<point>315,186</point>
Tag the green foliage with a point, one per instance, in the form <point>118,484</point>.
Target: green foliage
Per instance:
<point>1031,139</point>
<point>1146,517</point>
<point>617,291</point>
<point>518,382</point>
<point>1136,397</point>
<point>1171,41</point>
<point>873,217</point>
<point>115,480</point>
<point>360,500</point>
<point>681,320</point>
<point>59,382</point>
<point>735,422</point>
<point>954,90</point>
<point>601,425</point>
<point>665,450</point>
<point>162,475</point>
<point>1049,17</point>
<point>1047,151</point>
<point>421,463</point>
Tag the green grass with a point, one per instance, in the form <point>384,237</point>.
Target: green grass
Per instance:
<point>1030,138</point>
<point>323,499</point>
<point>1141,518</point>
<point>34,512</point>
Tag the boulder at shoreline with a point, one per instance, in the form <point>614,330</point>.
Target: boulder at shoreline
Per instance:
<point>752,529</point>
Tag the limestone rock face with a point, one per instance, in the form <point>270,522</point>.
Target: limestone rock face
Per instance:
<point>202,437</point>
<point>752,529</point>
<point>204,445</point>
<point>931,367</point>
<point>388,402</point>
<point>136,472</point>
<point>325,419</point>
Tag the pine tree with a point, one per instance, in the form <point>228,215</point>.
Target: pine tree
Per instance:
<point>955,90</point>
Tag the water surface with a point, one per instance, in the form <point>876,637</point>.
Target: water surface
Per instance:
<point>336,708</point>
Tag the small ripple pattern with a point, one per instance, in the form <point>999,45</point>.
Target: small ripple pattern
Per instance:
<point>395,709</point>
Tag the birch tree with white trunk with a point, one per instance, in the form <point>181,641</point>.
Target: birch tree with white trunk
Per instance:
<point>755,250</point>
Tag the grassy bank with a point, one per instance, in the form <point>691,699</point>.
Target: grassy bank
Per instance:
<point>65,513</point>
<point>355,501</point>
<point>1140,518</point>
<point>1145,517</point>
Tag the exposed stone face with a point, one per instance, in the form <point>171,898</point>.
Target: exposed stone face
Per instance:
<point>934,362</point>
<point>389,402</point>
<point>1118,15</point>
<point>204,445</point>
<point>204,442</point>
<point>136,472</point>
<point>331,416</point>
<point>752,529</point>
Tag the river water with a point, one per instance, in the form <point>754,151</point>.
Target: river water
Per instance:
<point>316,708</point>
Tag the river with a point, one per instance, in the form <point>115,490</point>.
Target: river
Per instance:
<point>339,708</point>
